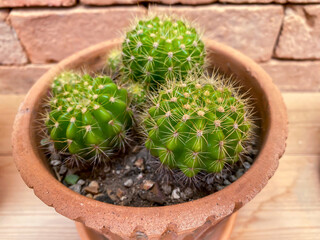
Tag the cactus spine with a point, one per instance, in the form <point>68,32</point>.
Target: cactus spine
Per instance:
<point>88,117</point>
<point>198,124</point>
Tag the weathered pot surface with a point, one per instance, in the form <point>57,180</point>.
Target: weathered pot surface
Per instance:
<point>220,231</point>
<point>185,220</point>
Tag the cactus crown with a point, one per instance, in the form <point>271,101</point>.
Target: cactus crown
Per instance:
<point>160,49</point>
<point>198,124</point>
<point>88,117</point>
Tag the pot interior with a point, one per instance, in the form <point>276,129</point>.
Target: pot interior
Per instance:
<point>93,61</point>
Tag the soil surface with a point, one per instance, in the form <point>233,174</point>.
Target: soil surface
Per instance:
<point>138,179</point>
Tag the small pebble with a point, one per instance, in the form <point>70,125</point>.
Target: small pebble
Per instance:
<point>63,169</point>
<point>188,192</point>
<point>93,187</point>
<point>120,193</point>
<point>167,189</point>
<point>249,149</point>
<point>140,176</point>
<point>249,159</point>
<point>81,182</point>
<point>183,196</point>
<point>71,179</point>
<point>128,183</point>
<point>226,182</point>
<point>147,184</point>
<point>91,190</point>
<point>103,198</point>
<point>55,162</point>
<point>139,163</point>
<point>76,188</point>
<point>127,167</point>
<point>55,156</point>
<point>89,195</point>
<point>209,188</point>
<point>224,175</point>
<point>246,165</point>
<point>118,172</point>
<point>210,179</point>
<point>52,150</point>
<point>255,152</point>
<point>219,187</point>
<point>123,198</point>
<point>111,195</point>
<point>94,184</point>
<point>232,178</point>
<point>176,193</point>
<point>239,173</point>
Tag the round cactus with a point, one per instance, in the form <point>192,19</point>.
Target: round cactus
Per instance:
<point>88,117</point>
<point>198,125</point>
<point>161,49</point>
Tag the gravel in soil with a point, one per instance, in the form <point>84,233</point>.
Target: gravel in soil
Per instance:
<point>137,179</point>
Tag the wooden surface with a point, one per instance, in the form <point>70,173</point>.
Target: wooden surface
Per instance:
<point>288,208</point>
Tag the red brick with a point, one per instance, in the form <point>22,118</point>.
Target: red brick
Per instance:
<point>57,33</point>
<point>189,2</point>
<point>11,51</point>
<point>107,2</point>
<point>4,14</point>
<point>251,29</point>
<point>169,2</point>
<point>269,1</point>
<point>294,75</point>
<point>29,3</point>
<point>18,79</point>
<point>300,35</point>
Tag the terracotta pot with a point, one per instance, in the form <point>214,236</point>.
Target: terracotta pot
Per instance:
<point>191,220</point>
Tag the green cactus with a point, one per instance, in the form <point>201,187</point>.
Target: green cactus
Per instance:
<point>198,124</point>
<point>137,93</point>
<point>114,60</point>
<point>88,117</point>
<point>161,49</point>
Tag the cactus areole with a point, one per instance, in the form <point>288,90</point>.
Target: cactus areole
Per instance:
<point>161,49</point>
<point>198,125</point>
<point>88,117</point>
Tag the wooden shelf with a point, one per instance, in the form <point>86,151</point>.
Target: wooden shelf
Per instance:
<point>288,208</point>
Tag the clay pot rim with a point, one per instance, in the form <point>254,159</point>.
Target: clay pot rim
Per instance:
<point>106,216</point>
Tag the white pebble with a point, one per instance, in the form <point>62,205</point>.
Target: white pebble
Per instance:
<point>176,193</point>
<point>81,182</point>
<point>128,183</point>
<point>55,162</point>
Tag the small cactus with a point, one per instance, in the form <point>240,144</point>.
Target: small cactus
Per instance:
<point>137,93</point>
<point>88,117</point>
<point>161,49</point>
<point>199,124</point>
<point>114,60</point>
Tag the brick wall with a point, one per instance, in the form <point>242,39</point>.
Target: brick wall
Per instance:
<point>283,36</point>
